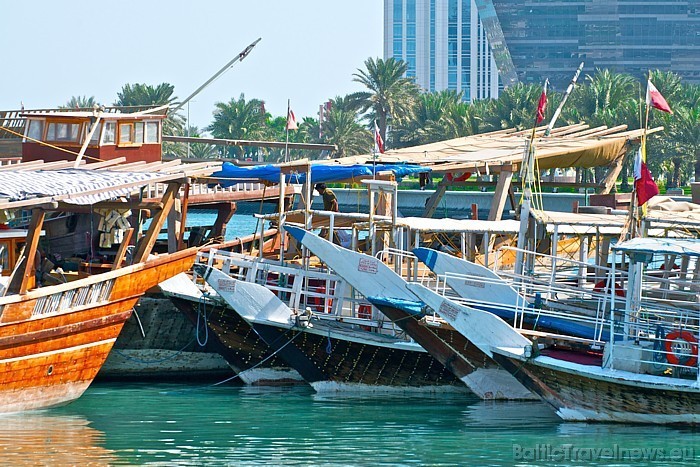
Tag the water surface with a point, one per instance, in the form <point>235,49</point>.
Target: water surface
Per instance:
<point>198,424</point>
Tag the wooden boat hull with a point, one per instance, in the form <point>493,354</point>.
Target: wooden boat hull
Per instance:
<point>326,351</point>
<point>242,348</point>
<point>578,395</point>
<point>159,342</point>
<point>380,285</point>
<point>53,340</point>
<point>330,362</point>
<point>483,376</point>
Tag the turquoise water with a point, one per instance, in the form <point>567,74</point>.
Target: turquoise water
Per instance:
<point>201,424</point>
<point>167,424</point>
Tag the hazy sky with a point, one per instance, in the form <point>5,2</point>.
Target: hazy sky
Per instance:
<point>54,50</point>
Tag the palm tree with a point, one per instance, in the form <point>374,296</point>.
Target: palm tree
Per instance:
<point>464,119</point>
<point>144,95</point>
<point>342,129</point>
<point>429,122</point>
<point>240,119</point>
<point>685,132</point>
<point>80,102</point>
<point>515,107</point>
<point>391,97</point>
<point>605,98</point>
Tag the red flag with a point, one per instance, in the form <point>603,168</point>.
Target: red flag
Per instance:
<point>542,104</point>
<point>644,185</point>
<point>655,99</point>
<point>291,121</point>
<point>378,142</point>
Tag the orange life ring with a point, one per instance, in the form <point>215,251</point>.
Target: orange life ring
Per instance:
<point>671,345</point>
<point>602,286</point>
<point>461,178</point>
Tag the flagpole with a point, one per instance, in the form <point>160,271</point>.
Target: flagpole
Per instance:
<point>527,175</point>
<point>644,136</point>
<point>286,128</point>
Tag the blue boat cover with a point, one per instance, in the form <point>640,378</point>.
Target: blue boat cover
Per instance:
<point>408,306</point>
<point>320,173</point>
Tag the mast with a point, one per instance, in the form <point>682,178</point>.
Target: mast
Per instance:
<point>563,100</point>
<point>243,54</point>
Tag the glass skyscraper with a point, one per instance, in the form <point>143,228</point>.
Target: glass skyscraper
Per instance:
<point>443,43</point>
<point>477,46</point>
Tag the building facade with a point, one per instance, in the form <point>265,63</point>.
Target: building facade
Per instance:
<point>444,45</point>
<point>479,46</point>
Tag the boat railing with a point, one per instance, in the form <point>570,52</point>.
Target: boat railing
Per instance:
<point>656,344</point>
<point>156,190</point>
<point>528,312</point>
<point>552,268</point>
<point>325,294</point>
<point>405,263</point>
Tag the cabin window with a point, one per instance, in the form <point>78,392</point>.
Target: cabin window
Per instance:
<point>4,257</point>
<point>110,131</point>
<point>130,134</point>
<point>35,131</point>
<point>151,132</point>
<point>63,132</point>
<point>138,132</point>
<point>95,139</point>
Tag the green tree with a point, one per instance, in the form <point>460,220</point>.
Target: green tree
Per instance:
<point>144,95</point>
<point>241,119</point>
<point>685,133</point>
<point>607,98</point>
<point>391,97</point>
<point>342,129</point>
<point>430,122</point>
<point>515,107</point>
<point>79,102</point>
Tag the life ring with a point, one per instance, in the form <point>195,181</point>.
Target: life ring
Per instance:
<point>317,301</point>
<point>601,286</point>
<point>675,342</point>
<point>461,178</point>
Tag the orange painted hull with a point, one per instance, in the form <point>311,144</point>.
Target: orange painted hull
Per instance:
<point>54,340</point>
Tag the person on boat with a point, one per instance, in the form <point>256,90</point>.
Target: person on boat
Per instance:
<point>330,202</point>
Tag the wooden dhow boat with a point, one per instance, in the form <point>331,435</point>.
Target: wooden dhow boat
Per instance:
<point>648,371</point>
<point>386,290</point>
<point>54,338</point>
<point>314,331</point>
<point>245,352</point>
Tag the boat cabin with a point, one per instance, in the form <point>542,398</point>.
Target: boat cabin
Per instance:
<point>11,243</point>
<point>59,135</point>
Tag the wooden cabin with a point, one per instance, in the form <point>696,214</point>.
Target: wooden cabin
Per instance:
<point>11,242</point>
<point>59,135</point>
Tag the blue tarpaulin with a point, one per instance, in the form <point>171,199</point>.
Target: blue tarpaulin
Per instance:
<point>320,173</point>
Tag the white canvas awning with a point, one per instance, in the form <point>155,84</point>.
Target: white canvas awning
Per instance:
<point>31,184</point>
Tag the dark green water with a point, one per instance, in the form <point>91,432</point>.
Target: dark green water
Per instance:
<point>168,424</point>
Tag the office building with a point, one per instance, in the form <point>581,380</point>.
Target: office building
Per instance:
<point>480,46</point>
